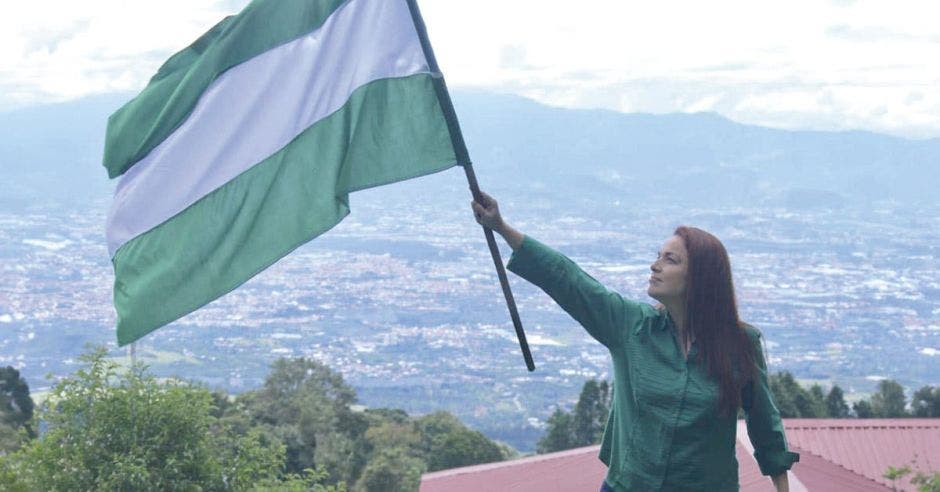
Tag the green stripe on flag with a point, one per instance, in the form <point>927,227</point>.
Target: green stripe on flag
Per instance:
<point>389,130</point>
<point>145,121</point>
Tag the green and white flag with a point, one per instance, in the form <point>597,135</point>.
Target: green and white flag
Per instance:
<point>246,144</point>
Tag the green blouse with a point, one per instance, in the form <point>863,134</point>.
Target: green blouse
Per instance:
<point>664,431</point>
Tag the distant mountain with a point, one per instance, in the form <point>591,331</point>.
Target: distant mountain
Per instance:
<point>693,158</point>
<point>52,154</point>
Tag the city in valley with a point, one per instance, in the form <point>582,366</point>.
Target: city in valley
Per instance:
<point>402,298</point>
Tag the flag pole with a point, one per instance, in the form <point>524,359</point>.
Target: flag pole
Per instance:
<point>463,159</point>
<point>501,273</point>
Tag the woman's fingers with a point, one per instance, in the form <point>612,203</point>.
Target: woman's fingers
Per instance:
<point>486,211</point>
<point>488,201</point>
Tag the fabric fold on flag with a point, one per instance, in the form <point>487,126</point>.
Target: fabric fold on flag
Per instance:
<point>246,145</point>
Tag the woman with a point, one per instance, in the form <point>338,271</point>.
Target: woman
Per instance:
<point>681,369</point>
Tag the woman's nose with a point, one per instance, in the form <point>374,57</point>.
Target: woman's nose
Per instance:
<point>654,266</point>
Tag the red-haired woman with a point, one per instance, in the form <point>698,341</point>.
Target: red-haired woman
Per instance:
<point>681,369</point>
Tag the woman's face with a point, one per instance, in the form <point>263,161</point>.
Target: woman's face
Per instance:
<point>669,272</point>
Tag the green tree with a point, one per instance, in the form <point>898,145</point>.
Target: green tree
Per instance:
<point>818,401</point>
<point>108,429</point>
<point>559,434</point>
<point>391,470</point>
<point>926,402</point>
<point>835,403</point>
<point>306,405</point>
<point>11,439</point>
<point>16,409</point>
<point>862,409</point>
<point>888,401</point>
<point>791,399</point>
<point>447,443</point>
<point>590,413</point>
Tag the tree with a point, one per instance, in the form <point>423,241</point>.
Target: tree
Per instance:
<point>558,435</point>
<point>447,443</point>
<point>391,470</point>
<point>791,399</point>
<point>590,413</point>
<point>306,405</point>
<point>926,402</point>
<point>123,430</point>
<point>862,409</point>
<point>16,405</point>
<point>818,401</point>
<point>889,400</point>
<point>835,403</point>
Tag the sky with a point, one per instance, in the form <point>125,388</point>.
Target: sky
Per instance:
<point>799,64</point>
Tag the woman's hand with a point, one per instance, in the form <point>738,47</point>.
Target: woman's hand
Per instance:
<point>487,215</point>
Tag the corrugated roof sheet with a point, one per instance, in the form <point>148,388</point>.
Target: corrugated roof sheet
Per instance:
<point>835,455</point>
<point>868,447</point>
<point>565,471</point>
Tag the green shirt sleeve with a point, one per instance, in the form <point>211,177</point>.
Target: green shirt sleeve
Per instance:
<point>764,426</point>
<point>603,313</point>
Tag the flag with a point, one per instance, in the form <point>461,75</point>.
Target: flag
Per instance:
<point>246,144</point>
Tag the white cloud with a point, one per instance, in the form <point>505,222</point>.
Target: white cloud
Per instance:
<point>800,64</point>
<point>61,50</point>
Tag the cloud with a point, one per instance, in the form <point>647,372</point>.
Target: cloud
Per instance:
<point>867,34</point>
<point>837,64</point>
<point>512,56</point>
<point>55,52</point>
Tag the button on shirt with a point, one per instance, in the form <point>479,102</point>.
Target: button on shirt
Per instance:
<point>664,431</point>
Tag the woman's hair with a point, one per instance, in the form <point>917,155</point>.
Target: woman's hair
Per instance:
<point>712,317</point>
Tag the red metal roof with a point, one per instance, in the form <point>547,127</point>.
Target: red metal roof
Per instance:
<point>835,455</point>
<point>565,471</point>
<point>867,447</point>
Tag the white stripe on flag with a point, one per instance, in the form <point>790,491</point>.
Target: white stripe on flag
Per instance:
<point>272,98</point>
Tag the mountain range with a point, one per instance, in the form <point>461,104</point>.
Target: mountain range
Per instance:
<point>51,154</point>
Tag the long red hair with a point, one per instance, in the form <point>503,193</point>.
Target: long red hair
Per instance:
<point>712,317</point>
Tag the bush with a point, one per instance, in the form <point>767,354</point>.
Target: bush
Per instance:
<point>123,430</point>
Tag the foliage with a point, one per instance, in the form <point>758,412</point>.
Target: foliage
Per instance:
<point>926,402</point>
<point>309,481</point>
<point>307,406</point>
<point>793,400</point>
<point>863,409</point>
<point>447,443</point>
<point>16,410</point>
<point>558,435</point>
<point>584,425</point>
<point>112,430</point>
<point>888,401</point>
<point>924,481</point>
<point>391,470</point>
<point>590,413</point>
<point>817,401</point>
<point>835,403</point>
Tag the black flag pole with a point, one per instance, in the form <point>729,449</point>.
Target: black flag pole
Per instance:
<point>463,159</point>
<point>501,272</point>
